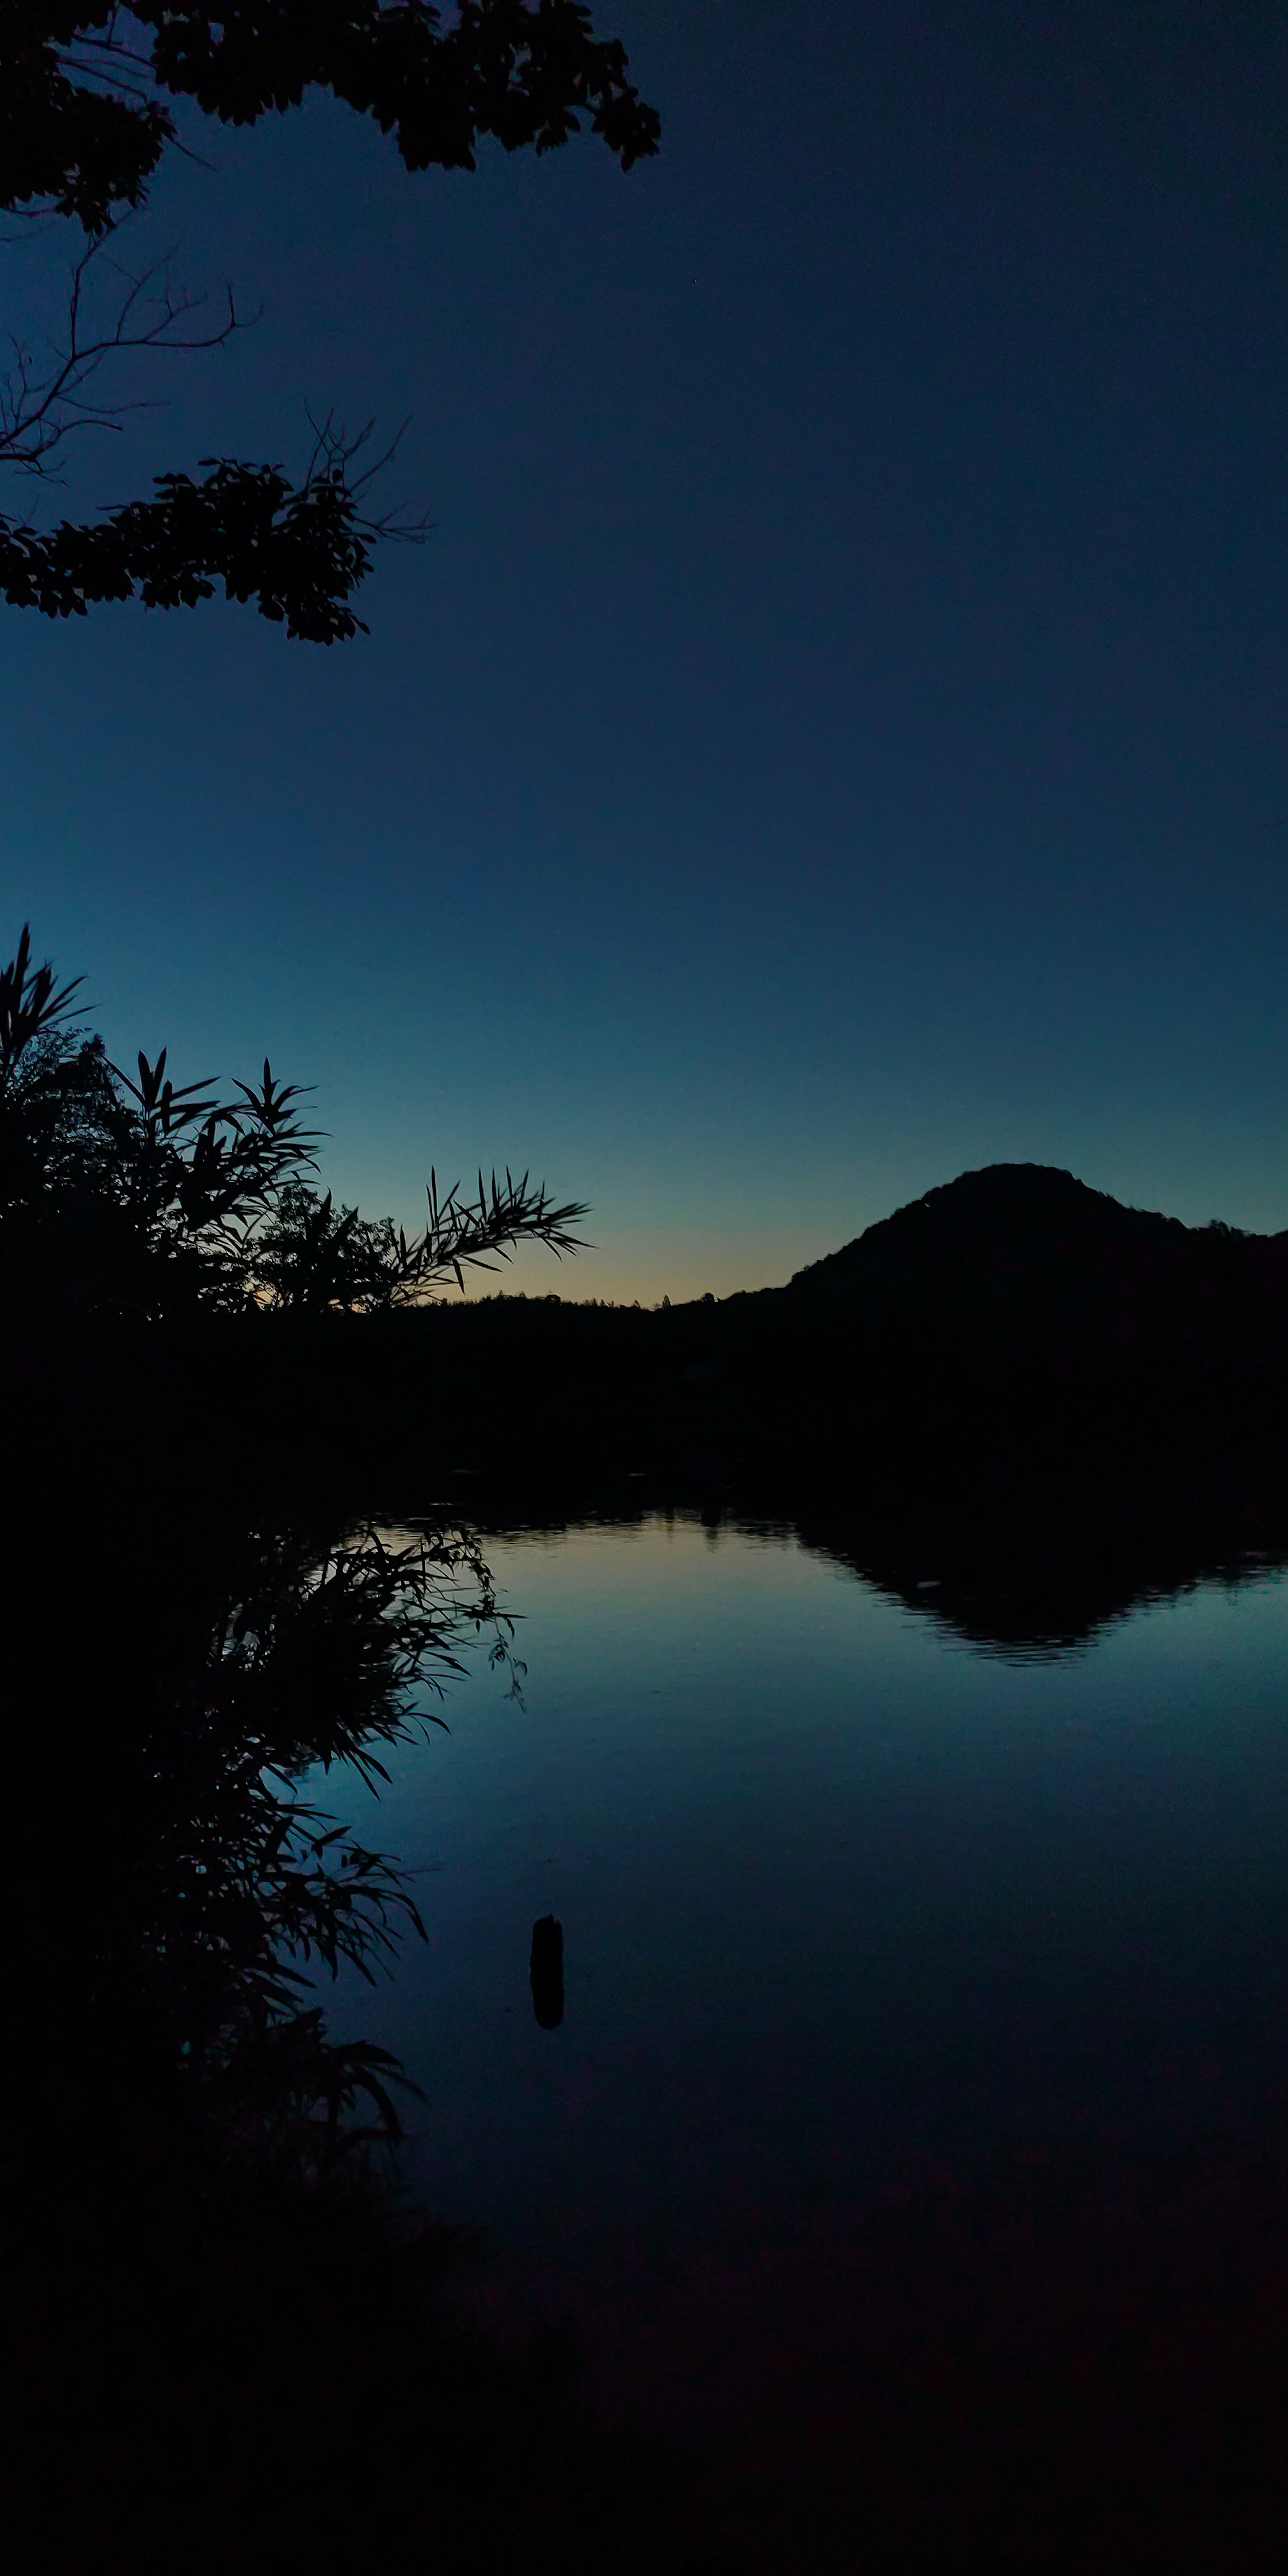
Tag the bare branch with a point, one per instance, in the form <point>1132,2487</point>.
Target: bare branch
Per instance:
<point>334,451</point>
<point>39,410</point>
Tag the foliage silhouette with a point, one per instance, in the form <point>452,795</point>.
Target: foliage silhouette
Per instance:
<point>84,125</point>
<point>143,1194</point>
<point>85,122</point>
<point>298,551</point>
<point>290,1654</point>
<point>245,2346</point>
<point>135,1203</point>
<point>313,1255</point>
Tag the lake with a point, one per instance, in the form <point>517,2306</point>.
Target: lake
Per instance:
<point>853,1880</point>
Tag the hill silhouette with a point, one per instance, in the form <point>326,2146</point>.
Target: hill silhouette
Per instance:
<point>1013,1222</point>
<point>1016,1315</point>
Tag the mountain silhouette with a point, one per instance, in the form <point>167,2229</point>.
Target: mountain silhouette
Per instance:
<point>1021,1268</point>
<point>1016,1222</point>
<point>1011,1321</point>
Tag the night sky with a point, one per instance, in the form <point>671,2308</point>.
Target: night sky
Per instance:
<point>835,734</point>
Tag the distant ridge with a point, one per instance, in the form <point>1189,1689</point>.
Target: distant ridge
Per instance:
<point>1007,1219</point>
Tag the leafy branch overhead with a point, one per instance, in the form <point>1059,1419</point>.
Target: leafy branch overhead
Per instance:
<point>83,127</point>
<point>298,551</point>
<point>85,122</point>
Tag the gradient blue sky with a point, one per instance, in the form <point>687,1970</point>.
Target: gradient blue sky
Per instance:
<point>835,736</point>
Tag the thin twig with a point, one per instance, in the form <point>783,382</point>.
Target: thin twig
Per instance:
<point>39,412</point>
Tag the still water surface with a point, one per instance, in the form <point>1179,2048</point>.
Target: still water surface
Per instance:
<point>843,1889</point>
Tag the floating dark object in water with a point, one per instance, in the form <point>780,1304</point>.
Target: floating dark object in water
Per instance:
<point>546,1972</point>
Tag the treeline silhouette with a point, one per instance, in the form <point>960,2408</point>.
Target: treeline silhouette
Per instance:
<point>1010,1331</point>
<point>1013,1335</point>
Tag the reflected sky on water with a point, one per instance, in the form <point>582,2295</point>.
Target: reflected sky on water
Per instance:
<point>852,1873</point>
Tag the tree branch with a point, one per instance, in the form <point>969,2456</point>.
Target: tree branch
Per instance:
<point>38,412</point>
<point>297,551</point>
<point>82,129</point>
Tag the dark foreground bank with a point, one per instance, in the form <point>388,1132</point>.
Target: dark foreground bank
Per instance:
<point>1075,2365</point>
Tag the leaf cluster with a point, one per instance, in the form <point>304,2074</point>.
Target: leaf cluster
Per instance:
<point>66,137</point>
<point>298,551</point>
<point>134,1190</point>
<point>84,124</point>
<point>312,1254</point>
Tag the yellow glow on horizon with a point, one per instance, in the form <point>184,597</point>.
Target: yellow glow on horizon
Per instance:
<point>630,1265</point>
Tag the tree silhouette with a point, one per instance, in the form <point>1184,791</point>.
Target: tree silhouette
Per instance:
<point>275,1642</point>
<point>84,125</point>
<point>144,1194</point>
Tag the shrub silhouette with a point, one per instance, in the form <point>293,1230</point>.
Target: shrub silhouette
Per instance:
<point>155,1195</point>
<point>268,1642</point>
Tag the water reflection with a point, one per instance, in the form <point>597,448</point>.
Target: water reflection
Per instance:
<point>850,1911</point>
<point>1035,1596</point>
<point>865,1862</point>
<point>1034,1585</point>
<point>1029,1586</point>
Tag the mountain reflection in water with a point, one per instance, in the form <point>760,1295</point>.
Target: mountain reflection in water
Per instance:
<point>1032,1596</point>
<point>865,1853</point>
<point>914,2147</point>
